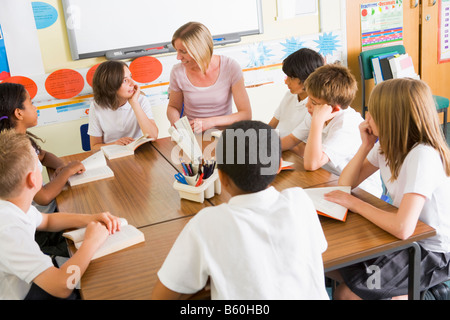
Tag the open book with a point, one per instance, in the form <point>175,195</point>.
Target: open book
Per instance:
<point>286,165</point>
<point>114,151</point>
<point>126,237</point>
<point>325,207</point>
<point>96,169</point>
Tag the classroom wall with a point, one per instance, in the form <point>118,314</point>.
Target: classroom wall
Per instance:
<point>64,138</point>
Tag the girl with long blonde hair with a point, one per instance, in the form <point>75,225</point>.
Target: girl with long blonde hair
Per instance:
<point>402,137</point>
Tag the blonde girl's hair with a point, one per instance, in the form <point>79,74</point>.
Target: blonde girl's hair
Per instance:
<point>405,113</point>
<point>198,42</point>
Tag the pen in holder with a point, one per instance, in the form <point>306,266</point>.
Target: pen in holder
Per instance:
<point>200,181</point>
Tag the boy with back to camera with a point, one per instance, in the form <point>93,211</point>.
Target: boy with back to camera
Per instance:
<point>262,244</point>
<point>329,136</point>
<point>25,271</point>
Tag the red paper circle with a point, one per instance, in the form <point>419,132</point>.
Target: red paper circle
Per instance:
<point>145,69</point>
<point>64,84</point>
<point>90,74</point>
<point>29,84</point>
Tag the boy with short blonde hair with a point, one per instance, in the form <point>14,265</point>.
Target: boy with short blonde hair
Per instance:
<point>25,271</point>
<point>329,135</point>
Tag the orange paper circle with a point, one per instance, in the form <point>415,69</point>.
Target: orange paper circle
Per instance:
<point>145,69</point>
<point>29,84</point>
<point>64,84</point>
<point>90,74</point>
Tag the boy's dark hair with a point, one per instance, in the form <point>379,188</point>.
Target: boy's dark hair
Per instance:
<point>249,152</point>
<point>302,63</point>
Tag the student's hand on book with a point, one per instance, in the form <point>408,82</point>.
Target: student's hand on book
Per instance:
<point>124,141</point>
<point>112,223</point>
<point>75,167</point>
<point>344,199</point>
<point>96,234</point>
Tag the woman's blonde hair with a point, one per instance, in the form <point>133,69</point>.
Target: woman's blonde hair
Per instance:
<point>198,42</point>
<point>405,113</point>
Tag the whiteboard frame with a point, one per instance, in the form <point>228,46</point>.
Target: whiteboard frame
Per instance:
<point>133,52</point>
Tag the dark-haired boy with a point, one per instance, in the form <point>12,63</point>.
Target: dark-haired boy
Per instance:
<point>262,244</point>
<point>292,109</point>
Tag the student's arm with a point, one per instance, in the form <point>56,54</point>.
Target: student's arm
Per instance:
<point>148,126</point>
<point>50,190</point>
<point>400,224</point>
<point>50,160</point>
<point>97,142</point>
<point>289,142</point>
<point>161,292</point>
<point>174,106</point>
<point>274,122</point>
<point>59,281</point>
<point>55,281</point>
<point>359,168</point>
<point>244,111</point>
<point>314,157</point>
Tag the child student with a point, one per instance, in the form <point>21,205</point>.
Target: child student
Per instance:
<point>25,271</point>
<point>262,244</point>
<point>414,161</point>
<point>292,109</point>
<point>18,112</point>
<point>329,136</point>
<point>119,114</point>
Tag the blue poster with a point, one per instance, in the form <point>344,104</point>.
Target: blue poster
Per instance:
<point>4,66</point>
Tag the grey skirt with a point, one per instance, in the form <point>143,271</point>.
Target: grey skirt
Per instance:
<point>387,276</point>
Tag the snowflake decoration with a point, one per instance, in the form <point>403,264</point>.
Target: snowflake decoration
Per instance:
<point>258,55</point>
<point>327,43</point>
<point>292,45</point>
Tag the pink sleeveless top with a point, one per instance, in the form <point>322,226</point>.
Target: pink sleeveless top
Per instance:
<point>204,102</point>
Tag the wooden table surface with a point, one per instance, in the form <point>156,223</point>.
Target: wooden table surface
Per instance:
<point>141,190</point>
<point>132,272</point>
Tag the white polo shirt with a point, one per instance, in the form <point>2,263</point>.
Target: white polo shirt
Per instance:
<point>115,124</point>
<point>263,245</point>
<point>21,259</point>
<point>290,113</point>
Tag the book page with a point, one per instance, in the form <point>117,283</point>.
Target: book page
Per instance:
<point>78,234</point>
<point>91,175</point>
<point>326,207</point>
<point>95,161</point>
<point>126,237</point>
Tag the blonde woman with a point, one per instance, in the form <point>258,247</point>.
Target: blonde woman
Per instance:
<point>204,83</point>
<point>414,162</point>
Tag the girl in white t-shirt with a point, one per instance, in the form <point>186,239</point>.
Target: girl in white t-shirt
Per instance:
<point>119,113</point>
<point>414,162</point>
<point>292,109</point>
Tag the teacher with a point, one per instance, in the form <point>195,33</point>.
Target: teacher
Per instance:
<point>204,83</point>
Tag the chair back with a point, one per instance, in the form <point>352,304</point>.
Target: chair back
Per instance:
<point>85,143</point>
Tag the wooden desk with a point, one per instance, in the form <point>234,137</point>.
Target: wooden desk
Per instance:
<point>131,273</point>
<point>141,190</point>
<point>285,179</point>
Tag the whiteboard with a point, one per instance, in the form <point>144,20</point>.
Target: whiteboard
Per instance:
<point>96,27</point>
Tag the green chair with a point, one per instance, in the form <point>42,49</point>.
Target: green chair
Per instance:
<point>442,106</point>
<point>366,73</point>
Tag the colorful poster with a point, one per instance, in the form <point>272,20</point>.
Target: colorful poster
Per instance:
<point>381,24</point>
<point>444,31</point>
<point>4,66</point>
